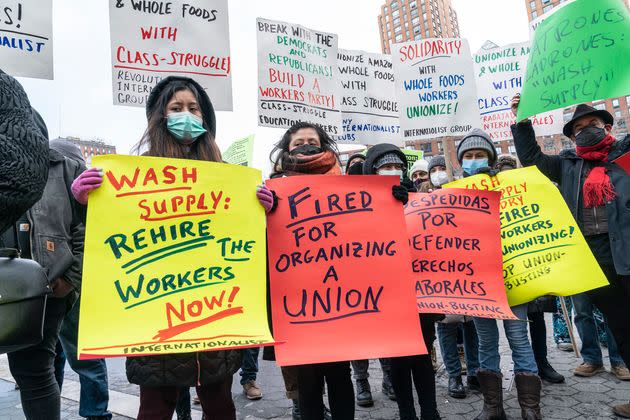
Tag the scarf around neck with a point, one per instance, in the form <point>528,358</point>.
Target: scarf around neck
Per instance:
<point>324,163</point>
<point>597,189</point>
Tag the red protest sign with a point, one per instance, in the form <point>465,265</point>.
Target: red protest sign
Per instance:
<point>624,162</point>
<point>341,285</point>
<point>455,239</point>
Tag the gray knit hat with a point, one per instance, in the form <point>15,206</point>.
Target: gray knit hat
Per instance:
<point>387,159</point>
<point>437,161</point>
<point>480,140</point>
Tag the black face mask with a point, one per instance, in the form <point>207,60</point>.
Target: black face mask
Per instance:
<point>306,150</point>
<point>590,136</point>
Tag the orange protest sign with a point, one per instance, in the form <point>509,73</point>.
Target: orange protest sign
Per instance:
<point>455,239</point>
<point>341,284</point>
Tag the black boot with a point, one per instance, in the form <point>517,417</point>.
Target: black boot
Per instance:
<point>388,388</point>
<point>364,393</point>
<point>295,412</point>
<point>490,383</point>
<point>548,373</point>
<point>473,383</point>
<point>528,388</point>
<point>456,387</point>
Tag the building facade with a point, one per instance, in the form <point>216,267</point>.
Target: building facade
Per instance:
<point>407,20</point>
<point>90,148</point>
<point>618,107</point>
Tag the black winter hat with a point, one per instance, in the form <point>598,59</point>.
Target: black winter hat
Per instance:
<point>355,169</point>
<point>477,139</point>
<point>583,110</point>
<point>207,110</point>
<point>438,160</point>
<point>39,122</point>
<point>376,152</point>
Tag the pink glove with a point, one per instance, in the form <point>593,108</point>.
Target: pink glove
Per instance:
<point>86,182</point>
<point>265,196</point>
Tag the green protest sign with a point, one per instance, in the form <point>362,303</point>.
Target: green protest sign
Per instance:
<point>579,54</point>
<point>412,156</point>
<point>240,152</point>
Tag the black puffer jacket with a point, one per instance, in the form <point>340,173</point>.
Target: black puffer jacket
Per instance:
<point>568,170</point>
<point>189,369</point>
<point>23,153</point>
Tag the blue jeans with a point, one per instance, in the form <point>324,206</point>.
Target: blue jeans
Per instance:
<point>249,368</point>
<point>516,333</point>
<point>447,336</point>
<point>92,373</point>
<point>585,323</point>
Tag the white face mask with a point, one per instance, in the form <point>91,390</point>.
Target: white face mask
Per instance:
<point>439,178</point>
<point>395,172</point>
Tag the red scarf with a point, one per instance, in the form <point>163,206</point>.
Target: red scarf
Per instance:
<point>597,186</point>
<point>324,163</point>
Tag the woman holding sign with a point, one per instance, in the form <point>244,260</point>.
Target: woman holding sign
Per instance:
<point>476,154</point>
<point>181,124</point>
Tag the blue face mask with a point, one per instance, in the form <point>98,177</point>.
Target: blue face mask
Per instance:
<point>471,166</point>
<point>185,126</point>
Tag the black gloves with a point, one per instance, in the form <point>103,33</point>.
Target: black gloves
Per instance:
<point>400,193</point>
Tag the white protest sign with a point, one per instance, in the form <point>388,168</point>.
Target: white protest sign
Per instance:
<point>499,73</point>
<point>297,70</point>
<point>368,101</point>
<point>26,43</point>
<point>151,40</point>
<point>435,85</point>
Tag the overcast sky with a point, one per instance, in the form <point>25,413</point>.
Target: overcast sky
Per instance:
<point>79,101</point>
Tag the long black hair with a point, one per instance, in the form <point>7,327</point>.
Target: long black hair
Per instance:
<point>160,142</point>
<point>281,149</point>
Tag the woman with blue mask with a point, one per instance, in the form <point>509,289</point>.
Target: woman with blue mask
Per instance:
<point>477,154</point>
<point>181,124</point>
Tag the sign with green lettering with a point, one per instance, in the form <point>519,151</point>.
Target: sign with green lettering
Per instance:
<point>579,54</point>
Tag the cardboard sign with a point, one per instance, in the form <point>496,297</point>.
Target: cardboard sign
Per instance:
<point>26,38</point>
<point>297,70</point>
<point>579,54</point>
<point>152,40</point>
<point>240,152</point>
<point>456,250</point>
<point>334,279</point>
<point>544,252</point>
<point>174,259</point>
<point>368,104</point>
<point>435,85</point>
<point>499,73</point>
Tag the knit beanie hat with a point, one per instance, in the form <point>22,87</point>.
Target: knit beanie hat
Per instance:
<point>419,165</point>
<point>477,139</point>
<point>437,161</point>
<point>387,159</point>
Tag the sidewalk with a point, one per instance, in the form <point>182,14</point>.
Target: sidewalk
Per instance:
<point>578,398</point>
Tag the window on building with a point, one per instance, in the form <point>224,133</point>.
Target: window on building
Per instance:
<point>546,1</point>
<point>394,5</point>
<point>426,34</point>
<point>396,13</point>
<point>407,33</point>
<point>413,5</point>
<point>617,115</point>
<point>398,30</point>
<point>396,22</point>
<point>547,8</point>
<point>532,5</point>
<point>628,100</point>
<point>398,37</point>
<point>599,105</point>
<point>417,30</point>
<point>534,14</point>
<point>424,16</point>
<point>615,103</point>
<point>426,147</point>
<point>415,21</point>
<point>414,13</point>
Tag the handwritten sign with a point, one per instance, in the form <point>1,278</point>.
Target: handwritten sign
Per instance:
<point>151,40</point>
<point>174,259</point>
<point>544,252</point>
<point>579,54</point>
<point>26,38</point>
<point>412,156</point>
<point>435,85</point>
<point>456,250</point>
<point>368,104</point>
<point>333,280</point>
<point>297,70</point>
<point>536,22</point>
<point>499,73</point>
<point>240,152</point>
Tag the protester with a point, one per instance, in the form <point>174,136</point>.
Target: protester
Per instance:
<point>353,160</point>
<point>305,149</point>
<point>506,163</point>
<point>249,370</point>
<point>24,159</point>
<point>181,124</point>
<point>592,361</point>
<point>51,233</point>
<point>476,154</point>
<point>94,396</point>
<point>597,192</point>
<point>438,175</point>
<point>419,173</point>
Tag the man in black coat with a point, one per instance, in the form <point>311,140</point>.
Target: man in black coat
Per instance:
<point>23,153</point>
<point>598,193</point>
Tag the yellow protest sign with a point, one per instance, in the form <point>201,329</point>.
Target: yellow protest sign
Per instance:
<point>174,259</point>
<point>544,252</point>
